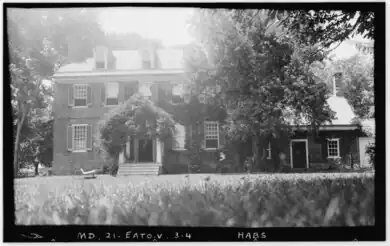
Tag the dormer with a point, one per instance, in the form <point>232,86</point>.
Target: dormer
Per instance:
<point>100,54</point>
<point>148,57</point>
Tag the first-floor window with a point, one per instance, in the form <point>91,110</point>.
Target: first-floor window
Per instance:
<point>333,148</point>
<point>80,137</point>
<point>211,135</point>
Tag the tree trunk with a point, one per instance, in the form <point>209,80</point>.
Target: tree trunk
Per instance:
<point>17,140</point>
<point>36,166</point>
<point>259,154</point>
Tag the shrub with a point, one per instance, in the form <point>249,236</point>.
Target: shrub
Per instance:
<point>136,117</point>
<point>370,151</point>
<point>281,200</point>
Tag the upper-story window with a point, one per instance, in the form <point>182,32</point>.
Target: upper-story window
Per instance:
<point>131,89</point>
<point>211,135</point>
<point>100,65</point>
<point>80,95</point>
<point>112,94</point>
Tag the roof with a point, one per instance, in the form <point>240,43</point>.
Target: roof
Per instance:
<point>343,113</point>
<point>131,60</point>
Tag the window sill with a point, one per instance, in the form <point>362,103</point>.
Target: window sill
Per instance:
<point>334,157</point>
<point>79,106</point>
<point>179,149</point>
<point>79,151</point>
<point>211,149</point>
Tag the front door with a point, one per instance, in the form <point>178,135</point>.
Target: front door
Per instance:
<point>299,155</point>
<point>145,150</point>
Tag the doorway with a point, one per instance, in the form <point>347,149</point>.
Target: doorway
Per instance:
<point>299,153</point>
<point>145,150</point>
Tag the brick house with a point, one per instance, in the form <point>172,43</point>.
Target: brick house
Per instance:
<point>85,91</point>
<point>341,139</point>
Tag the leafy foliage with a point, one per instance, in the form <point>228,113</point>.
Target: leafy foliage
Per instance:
<point>327,27</point>
<point>265,78</point>
<point>282,200</point>
<point>370,150</point>
<point>137,117</point>
<point>37,46</point>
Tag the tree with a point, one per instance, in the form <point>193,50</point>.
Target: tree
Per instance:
<point>356,81</point>
<point>327,27</point>
<point>261,74</point>
<point>37,46</point>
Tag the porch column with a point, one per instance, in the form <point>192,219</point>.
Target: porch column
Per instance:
<point>154,143</point>
<point>136,150</point>
<point>128,148</point>
<point>158,151</point>
<point>121,157</point>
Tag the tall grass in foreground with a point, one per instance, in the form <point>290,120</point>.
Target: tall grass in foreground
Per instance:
<point>287,200</point>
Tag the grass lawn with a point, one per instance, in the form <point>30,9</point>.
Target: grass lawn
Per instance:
<point>199,200</point>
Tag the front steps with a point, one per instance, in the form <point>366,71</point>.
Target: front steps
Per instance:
<point>127,169</point>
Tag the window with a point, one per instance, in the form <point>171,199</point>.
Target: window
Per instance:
<point>269,151</point>
<point>112,92</point>
<point>333,148</point>
<point>80,95</point>
<point>146,64</point>
<point>100,65</point>
<point>211,135</point>
<point>80,137</point>
<point>146,59</point>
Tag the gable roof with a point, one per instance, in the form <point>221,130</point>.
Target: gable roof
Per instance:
<point>343,113</point>
<point>131,60</point>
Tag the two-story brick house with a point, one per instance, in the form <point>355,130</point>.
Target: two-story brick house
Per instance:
<point>85,91</point>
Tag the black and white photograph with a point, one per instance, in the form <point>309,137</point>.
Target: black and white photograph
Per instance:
<point>169,121</point>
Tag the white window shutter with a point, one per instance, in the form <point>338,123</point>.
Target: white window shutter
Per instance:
<point>89,137</point>
<point>179,137</point>
<point>70,96</point>
<point>89,96</point>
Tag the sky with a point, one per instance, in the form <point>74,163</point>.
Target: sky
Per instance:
<point>166,24</point>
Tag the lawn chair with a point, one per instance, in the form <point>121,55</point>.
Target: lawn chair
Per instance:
<point>90,174</point>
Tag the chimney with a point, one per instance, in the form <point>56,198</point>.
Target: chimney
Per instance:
<point>101,57</point>
<point>73,50</point>
<point>336,77</point>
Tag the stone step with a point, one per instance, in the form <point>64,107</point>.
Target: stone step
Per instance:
<point>139,169</point>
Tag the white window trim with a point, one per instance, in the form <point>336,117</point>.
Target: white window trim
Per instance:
<point>74,96</point>
<point>269,151</point>
<point>307,151</point>
<point>105,100</point>
<point>73,142</point>
<point>185,139</point>
<point>338,147</point>
<point>204,140</point>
